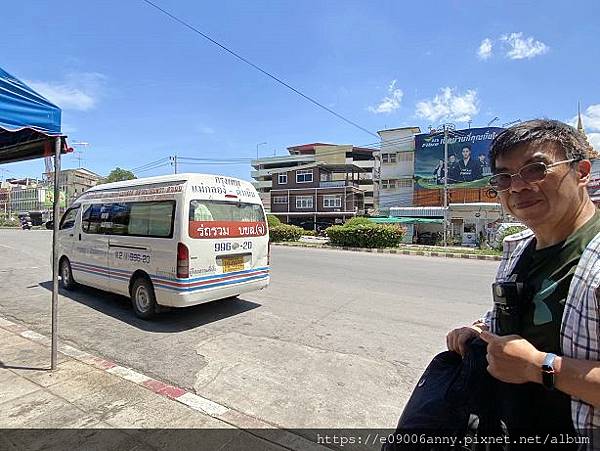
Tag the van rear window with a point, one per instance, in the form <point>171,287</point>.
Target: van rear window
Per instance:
<point>222,219</point>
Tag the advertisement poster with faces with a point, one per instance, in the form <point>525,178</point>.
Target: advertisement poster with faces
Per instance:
<point>468,159</point>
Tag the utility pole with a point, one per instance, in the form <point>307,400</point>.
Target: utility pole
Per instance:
<point>174,163</point>
<point>445,186</point>
<point>446,128</point>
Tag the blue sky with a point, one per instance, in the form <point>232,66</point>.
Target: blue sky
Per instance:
<point>138,87</point>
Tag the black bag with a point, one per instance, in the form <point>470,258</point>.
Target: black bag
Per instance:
<point>449,392</point>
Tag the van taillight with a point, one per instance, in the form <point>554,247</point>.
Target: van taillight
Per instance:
<point>183,261</point>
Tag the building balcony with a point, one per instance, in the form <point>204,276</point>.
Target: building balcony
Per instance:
<point>265,184</point>
<point>337,184</point>
<point>282,161</point>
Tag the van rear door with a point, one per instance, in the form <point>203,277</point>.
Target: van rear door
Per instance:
<point>227,231</point>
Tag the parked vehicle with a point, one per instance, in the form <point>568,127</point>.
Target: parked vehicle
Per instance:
<point>26,223</point>
<point>500,231</point>
<point>174,241</point>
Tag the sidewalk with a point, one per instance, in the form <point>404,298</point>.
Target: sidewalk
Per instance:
<point>91,403</point>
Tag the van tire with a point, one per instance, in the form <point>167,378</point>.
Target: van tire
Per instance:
<point>66,274</point>
<point>143,299</point>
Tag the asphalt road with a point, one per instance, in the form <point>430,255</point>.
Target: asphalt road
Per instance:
<point>337,340</point>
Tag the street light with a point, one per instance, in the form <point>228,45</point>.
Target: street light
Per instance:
<point>496,118</point>
<point>257,146</point>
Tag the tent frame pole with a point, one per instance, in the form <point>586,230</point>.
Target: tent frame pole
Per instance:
<point>56,213</point>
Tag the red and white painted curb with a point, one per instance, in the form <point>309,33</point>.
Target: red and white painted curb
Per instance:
<point>284,438</point>
<point>193,401</point>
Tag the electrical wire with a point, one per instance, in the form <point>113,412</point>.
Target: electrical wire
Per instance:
<point>149,164</point>
<point>263,71</point>
<point>151,168</point>
<point>183,160</point>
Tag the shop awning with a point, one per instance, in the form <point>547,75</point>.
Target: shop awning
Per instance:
<point>30,128</point>
<point>29,124</point>
<point>395,220</point>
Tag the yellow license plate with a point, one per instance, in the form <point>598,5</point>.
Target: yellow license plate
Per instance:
<point>232,264</point>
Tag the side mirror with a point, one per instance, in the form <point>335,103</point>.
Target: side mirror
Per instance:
<point>50,225</point>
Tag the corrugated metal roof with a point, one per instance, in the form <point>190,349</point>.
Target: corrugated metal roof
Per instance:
<point>417,211</point>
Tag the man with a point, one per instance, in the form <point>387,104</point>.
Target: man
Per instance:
<point>484,166</point>
<point>439,172</point>
<point>453,170</point>
<point>549,363</point>
<point>468,169</point>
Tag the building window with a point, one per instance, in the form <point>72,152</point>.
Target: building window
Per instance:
<point>396,183</point>
<point>280,200</point>
<point>282,179</point>
<point>386,184</point>
<point>304,176</point>
<point>405,156</point>
<point>388,158</point>
<point>332,201</point>
<point>304,202</point>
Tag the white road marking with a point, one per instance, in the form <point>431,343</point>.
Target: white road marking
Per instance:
<point>202,404</point>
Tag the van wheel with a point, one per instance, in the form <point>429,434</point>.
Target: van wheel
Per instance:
<point>143,298</point>
<point>66,274</point>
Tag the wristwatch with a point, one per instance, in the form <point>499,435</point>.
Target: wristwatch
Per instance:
<point>548,371</point>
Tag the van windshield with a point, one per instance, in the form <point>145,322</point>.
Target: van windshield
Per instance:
<point>216,219</point>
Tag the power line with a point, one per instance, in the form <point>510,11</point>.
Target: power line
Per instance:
<point>381,145</point>
<point>250,63</point>
<point>139,171</point>
<point>139,168</point>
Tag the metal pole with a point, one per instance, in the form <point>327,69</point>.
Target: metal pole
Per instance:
<point>445,185</point>
<point>257,146</point>
<point>175,161</point>
<point>54,348</point>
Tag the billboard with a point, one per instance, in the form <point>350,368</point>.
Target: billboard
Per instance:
<point>468,161</point>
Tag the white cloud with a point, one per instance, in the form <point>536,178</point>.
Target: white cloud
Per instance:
<point>391,102</point>
<point>207,130</point>
<point>79,91</point>
<point>519,47</point>
<point>485,49</point>
<point>450,106</point>
<point>594,140</point>
<point>591,118</point>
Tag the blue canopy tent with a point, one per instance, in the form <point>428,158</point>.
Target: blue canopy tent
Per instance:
<point>30,128</point>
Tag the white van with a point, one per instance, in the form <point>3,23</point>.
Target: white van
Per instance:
<point>176,240</point>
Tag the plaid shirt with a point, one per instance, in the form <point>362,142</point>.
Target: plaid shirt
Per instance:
<point>580,327</point>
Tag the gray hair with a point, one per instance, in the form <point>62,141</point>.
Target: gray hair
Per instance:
<point>540,131</point>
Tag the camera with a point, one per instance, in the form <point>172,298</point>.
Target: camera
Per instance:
<point>509,298</point>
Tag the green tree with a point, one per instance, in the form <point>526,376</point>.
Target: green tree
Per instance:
<point>118,175</point>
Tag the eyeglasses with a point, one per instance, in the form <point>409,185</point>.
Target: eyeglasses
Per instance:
<point>530,173</point>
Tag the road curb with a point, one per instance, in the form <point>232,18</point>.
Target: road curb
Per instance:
<point>196,402</point>
<point>396,251</point>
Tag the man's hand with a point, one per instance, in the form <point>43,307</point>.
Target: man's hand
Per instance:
<point>513,359</point>
<point>456,340</point>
